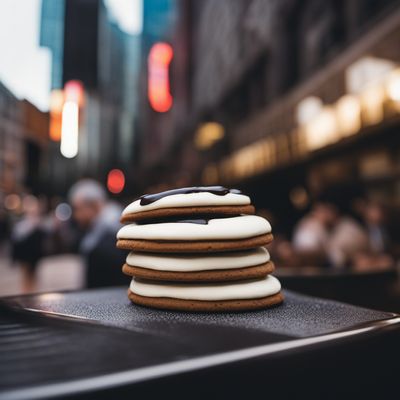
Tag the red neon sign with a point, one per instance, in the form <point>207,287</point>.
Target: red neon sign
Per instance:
<point>159,94</point>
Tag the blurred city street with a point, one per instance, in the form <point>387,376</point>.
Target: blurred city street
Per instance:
<point>199,156</point>
<point>65,272</point>
<point>295,103</point>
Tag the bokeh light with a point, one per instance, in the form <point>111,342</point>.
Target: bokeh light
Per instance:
<point>12,202</point>
<point>63,212</point>
<point>115,181</point>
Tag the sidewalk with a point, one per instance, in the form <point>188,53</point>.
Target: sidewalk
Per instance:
<point>54,273</point>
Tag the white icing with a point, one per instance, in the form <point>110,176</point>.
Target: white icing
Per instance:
<point>190,200</point>
<point>193,262</point>
<point>253,289</point>
<point>244,226</point>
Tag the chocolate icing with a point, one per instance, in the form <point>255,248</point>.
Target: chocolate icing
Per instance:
<point>218,190</point>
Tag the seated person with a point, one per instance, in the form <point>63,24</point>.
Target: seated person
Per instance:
<point>325,236</point>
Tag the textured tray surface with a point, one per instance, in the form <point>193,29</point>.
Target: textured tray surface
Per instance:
<point>298,316</point>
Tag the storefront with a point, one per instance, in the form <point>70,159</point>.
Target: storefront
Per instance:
<point>340,125</point>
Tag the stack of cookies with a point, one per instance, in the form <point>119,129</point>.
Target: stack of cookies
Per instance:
<point>198,249</point>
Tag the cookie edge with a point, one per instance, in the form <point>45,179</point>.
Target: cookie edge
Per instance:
<point>247,209</point>
<point>199,246</point>
<point>166,303</point>
<point>216,275</point>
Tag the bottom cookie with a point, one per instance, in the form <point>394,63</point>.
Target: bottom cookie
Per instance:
<point>167,303</point>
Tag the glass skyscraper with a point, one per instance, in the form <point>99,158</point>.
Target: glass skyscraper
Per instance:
<point>52,36</point>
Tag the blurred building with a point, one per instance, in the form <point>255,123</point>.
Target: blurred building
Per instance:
<point>290,95</point>
<point>23,144</point>
<point>159,19</point>
<point>118,68</point>
<point>36,140</point>
<point>105,60</point>
<point>11,142</point>
<point>52,37</point>
<point>165,23</point>
<point>81,41</point>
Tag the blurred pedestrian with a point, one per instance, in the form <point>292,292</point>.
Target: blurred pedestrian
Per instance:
<point>5,228</point>
<point>27,240</point>
<point>99,220</point>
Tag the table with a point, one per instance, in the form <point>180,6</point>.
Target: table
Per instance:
<point>96,343</point>
<point>376,289</point>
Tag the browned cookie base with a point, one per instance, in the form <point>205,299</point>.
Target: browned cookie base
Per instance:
<point>210,306</point>
<point>221,275</point>
<point>166,246</point>
<point>187,211</point>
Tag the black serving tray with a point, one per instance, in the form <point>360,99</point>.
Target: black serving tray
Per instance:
<point>96,344</point>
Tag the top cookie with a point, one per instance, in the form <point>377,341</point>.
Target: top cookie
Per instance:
<point>200,200</point>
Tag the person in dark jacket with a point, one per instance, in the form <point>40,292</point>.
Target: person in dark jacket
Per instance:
<point>99,220</point>
<point>27,239</point>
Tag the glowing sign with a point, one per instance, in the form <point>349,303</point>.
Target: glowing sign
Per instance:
<point>366,71</point>
<point>208,134</point>
<point>69,129</point>
<point>159,94</point>
<point>393,85</point>
<point>73,97</point>
<point>74,92</point>
<point>115,181</point>
<point>348,114</point>
<point>56,106</point>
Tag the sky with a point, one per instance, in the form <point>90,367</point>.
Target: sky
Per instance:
<point>24,66</point>
<point>128,14</point>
